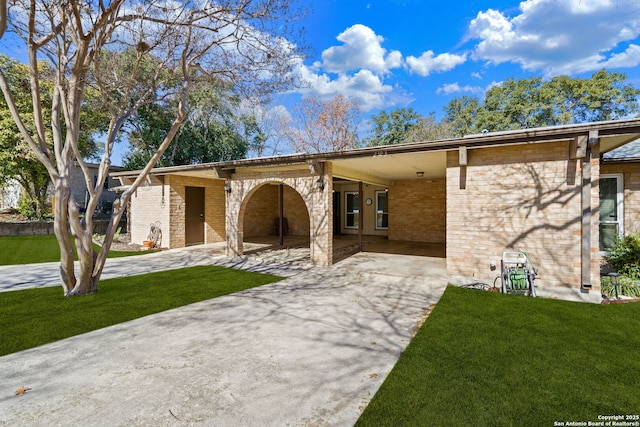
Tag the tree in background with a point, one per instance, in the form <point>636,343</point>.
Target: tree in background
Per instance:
<point>429,129</point>
<point>322,126</point>
<point>534,102</point>
<point>17,160</point>
<point>132,54</point>
<point>461,114</point>
<point>404,125</point>
<point>211,133</point>
<point>392,128</point>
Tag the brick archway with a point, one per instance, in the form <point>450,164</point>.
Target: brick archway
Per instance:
<point>318,202</point>
<point>260,214</point>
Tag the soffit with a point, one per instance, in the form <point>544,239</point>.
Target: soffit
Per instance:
<point>393,167</point>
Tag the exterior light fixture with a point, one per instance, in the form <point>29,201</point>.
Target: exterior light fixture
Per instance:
<point>227,186</point>
<point>615,282</point>
<point>320,184</point>
<point>420,174</point>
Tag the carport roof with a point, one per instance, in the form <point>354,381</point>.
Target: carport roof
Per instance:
<point>384,164</point>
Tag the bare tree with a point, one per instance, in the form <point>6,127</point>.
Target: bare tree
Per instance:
<point>133,53</point>
<point>323,126</point>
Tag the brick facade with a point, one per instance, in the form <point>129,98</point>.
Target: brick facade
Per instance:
<point>165,204</point>
<point>147,207</point>
<point>525,198</point>
<point>512,192</point>
<point>418,210</point>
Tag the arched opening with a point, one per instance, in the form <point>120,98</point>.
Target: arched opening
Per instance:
<point>274,215</point>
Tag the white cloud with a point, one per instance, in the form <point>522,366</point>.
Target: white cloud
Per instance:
<point>361,49</point>
<point>429,62</point>
<point>560,36</point>
<point>449,88</point>
<point>364,87</point>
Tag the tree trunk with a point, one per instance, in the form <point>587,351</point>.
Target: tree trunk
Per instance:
<point>63,233</point>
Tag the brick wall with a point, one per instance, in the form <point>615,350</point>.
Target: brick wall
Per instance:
<point>147,206</point>
<point>214,209</point>
<point>296,213</point>
<point>418,210</point>
<point>524,198</point>
<point>261,212</point>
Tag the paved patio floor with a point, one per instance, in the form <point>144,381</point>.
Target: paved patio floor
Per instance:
<point>310,350</point>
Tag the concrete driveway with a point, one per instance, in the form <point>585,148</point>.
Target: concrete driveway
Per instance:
<point>310,350</point>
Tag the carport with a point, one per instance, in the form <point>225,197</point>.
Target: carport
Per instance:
<point>535,190</point>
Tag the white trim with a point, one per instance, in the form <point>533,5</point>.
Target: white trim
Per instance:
<point>355,212</point>
<point>378,209</point>
<point>619,202</point>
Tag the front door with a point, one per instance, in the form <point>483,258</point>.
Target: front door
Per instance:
<point>194,216</point>
<point>611,210</point>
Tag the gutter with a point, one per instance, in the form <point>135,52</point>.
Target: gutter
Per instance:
<point>503,138</point>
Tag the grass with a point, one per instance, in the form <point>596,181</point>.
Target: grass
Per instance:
<point>36,249</point>
<point>484,358</point>
<point>33,317</point>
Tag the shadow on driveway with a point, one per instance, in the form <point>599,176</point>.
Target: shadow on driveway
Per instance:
<point>309,350</point>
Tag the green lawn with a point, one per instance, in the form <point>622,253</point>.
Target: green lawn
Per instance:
<point>33,317</point>
<point>485,358</point>
<point>35,249</point>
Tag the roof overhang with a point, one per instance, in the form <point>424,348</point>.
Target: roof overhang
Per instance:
<point>385,164</point>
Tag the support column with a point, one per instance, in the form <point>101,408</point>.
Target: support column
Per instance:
<point>360,216</point>
<point>587,215</point>
<point>281,212</point>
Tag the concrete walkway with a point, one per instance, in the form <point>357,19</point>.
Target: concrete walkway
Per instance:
<point>283,263</point>
<point>310,350</point>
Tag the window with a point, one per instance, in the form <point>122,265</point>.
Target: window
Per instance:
<point>382,210</point>
<point>351,210</point>
<point>611,209</point>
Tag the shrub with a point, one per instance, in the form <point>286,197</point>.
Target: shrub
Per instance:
<point>27,207</point>
<point>624,256</point>
<point>628,287</point>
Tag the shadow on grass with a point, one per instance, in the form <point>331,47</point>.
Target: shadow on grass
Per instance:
<point>18,250</point>
<point>33,317</point>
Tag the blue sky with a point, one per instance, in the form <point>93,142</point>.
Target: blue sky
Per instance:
<point>421,54</point>
<point>387,54</point>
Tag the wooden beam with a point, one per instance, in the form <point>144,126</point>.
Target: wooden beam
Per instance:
<point>462,156</point>
<point>223,173</point>
<point>316,167</point>
<point>578,147</point>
